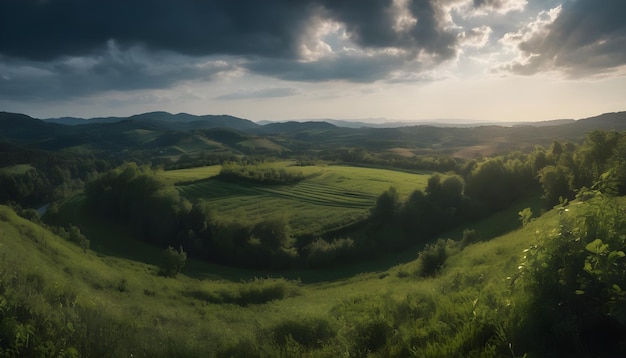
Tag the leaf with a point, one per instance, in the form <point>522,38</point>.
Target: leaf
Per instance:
<point>614,255</point>
<point>617,288</point>
<point>580,292</point>
<point>597,247</point>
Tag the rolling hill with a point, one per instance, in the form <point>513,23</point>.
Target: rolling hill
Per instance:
<point>157,132</point>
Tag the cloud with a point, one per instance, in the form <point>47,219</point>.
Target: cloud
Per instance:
<point>44,30</point>
<point>580,39</point>
<point>261,93</point>
<point>79,48</point>
<point>484,7</point>
<point>476,37</point>
<point>351,65</point>
<point>111,69</point>
<point>306,35</point>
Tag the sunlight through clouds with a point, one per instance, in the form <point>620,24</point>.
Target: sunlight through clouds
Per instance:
<point>476,37</point>
<point>233,52</point>
<point>535,31</point>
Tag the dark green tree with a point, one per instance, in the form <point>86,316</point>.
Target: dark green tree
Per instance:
<point>557,182</point>
<point>387,206</point>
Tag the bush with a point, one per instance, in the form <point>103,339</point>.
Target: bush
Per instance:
<point>173,261</point>
<point>309,332</point>
<point>259,291</point>
<point>469,237</point>
<point>372,333</point>
<point>78,238</point>
<point>432,258</point>
<point>322,253</point>
<point>575,279</point>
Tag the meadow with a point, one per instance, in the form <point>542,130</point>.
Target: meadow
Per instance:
<point>330,197</point>
<point>132,310</point>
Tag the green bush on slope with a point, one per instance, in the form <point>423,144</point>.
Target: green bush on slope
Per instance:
<point>575,278</point>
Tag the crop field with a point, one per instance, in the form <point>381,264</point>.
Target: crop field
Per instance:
<point>331,197</point>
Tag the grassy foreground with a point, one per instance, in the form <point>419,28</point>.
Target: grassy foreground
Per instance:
<point>56,300</point>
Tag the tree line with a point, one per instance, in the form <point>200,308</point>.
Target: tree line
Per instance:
<point>256,174</point>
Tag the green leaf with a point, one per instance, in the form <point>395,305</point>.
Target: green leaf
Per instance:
<point>580,292</point>
<point>597,247</point>
<point>614,255</point>
<point>617,288</point>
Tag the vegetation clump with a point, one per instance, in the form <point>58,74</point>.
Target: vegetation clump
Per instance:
<point>575,277</point>
<point>173,261</point>
<point>310,332</point>
<point>253,292</point>
<point>432,258</point>
<point>259,174</point>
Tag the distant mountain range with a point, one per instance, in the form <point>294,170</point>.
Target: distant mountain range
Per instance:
<point>444,123</point>
<point>166,134</point>
<point>175,121</point>
<point>190,121</point>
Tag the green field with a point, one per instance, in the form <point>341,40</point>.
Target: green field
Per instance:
<point>331,197</point>
<point>19,169</point>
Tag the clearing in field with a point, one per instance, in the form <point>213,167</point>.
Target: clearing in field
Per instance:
<point>330,198</point>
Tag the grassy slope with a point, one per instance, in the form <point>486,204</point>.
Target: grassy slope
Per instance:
<point>179,314</point>
<point>329,198</point>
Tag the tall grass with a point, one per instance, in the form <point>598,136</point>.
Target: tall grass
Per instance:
<point>57,300</point>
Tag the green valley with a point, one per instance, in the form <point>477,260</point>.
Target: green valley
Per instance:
<point>290,240</point>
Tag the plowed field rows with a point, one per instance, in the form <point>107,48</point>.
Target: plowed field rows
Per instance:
<point>329,198</point>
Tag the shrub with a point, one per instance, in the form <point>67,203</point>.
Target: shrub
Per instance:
<point>322,253</point>
<point>372,333</point>
<point>469,237</point>
<point>432,258</point>
<point>173,261</point>
<point>261,290</point>
<point>75,236</point>
<point>525,216</point>
<point>575,278</point>
<point>309,332</point>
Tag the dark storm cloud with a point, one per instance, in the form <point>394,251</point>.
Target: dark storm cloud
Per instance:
<point>372,24</point>
<point>587,38</point>
<point>107,70</point>
<point>42,30</point>
<point>66,44</point>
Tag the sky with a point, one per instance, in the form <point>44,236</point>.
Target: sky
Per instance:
<point>489,60</point>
